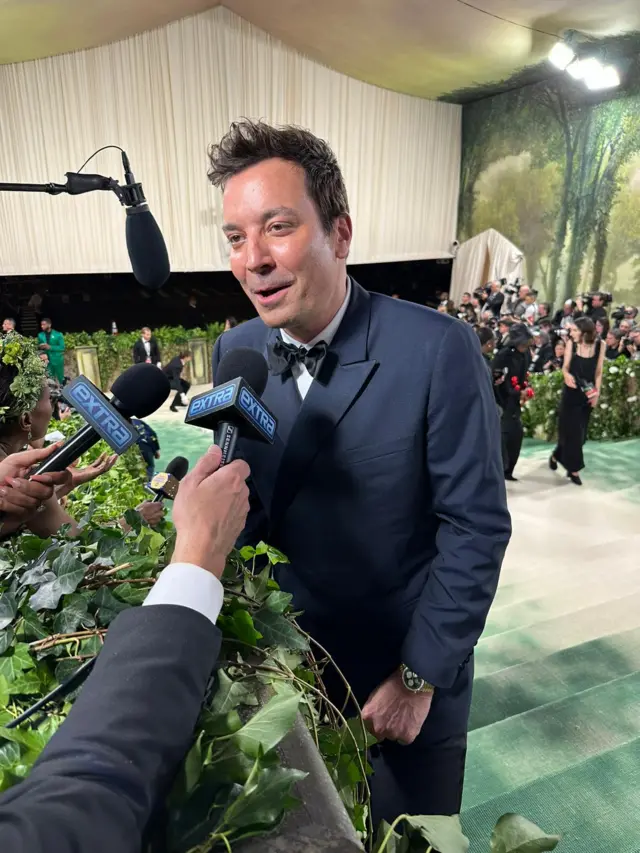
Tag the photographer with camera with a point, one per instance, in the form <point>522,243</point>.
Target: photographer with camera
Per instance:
<point>494,301</point>
<point>593,305</point>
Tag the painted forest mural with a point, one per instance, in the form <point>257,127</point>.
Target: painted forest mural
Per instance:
<point>559,175</point>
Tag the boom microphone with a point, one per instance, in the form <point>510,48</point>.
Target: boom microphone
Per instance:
<point>145,243</point>
<point>137,392</point>
<point>234,407</point>
<point>166,484</point>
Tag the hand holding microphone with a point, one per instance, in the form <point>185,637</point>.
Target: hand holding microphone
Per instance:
<point>210,511</point>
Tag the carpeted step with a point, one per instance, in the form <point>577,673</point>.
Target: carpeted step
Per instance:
<point>531,685</point>
<point>595,589</point>
<point>595,805</point>
<point>545,638</point>
<point>550,739</point>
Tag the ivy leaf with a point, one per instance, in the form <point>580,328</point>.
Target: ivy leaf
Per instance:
<point>37,576</point>
<point>33,546</point>
<point>69,570</point>
<point>229,694</point>
<point>442,833</point>
<point>277,630</point>
<point>393,841</point>
<point>9,754</point>
<point>4,691</point>
<point>6,638</point>
<point>278,601</point>
<point>264,799</point>
<point>266,729</point>
<point>107,606</point>
<point>47,597</point>
<point>134,520</point>
<point>276,556</point>
<point>257,586</point>
<point>91,646</point>
<point>516,834</point>
<point>11,665</point>
<point>8,609</point>
<point>247,553</point>
<point>73,614</point>
<point>220,725</point>
<point>240,625</point>
<point>66,668</point>
<point>31,625</point>
<point>27,683</point>
<point>133,594</point>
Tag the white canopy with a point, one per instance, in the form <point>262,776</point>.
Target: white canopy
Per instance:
<point>483,258</point>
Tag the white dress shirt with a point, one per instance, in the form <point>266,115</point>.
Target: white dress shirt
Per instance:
<point>190,586</point>
<point>300,373</point>
<point>147,347</point>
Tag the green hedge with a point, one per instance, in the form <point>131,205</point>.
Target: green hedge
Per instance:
<point>616,416</point>
<point>115,351</point>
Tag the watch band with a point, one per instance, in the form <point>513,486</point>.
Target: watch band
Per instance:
<point>414,682</point>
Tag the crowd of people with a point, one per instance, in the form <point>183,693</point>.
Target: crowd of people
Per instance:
<point>520,336</point>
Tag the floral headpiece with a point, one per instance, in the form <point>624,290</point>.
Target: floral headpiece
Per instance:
<point>26,388</point>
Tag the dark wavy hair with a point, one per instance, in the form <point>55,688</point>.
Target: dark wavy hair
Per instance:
<point>249,142</point>
<point>588,329</point>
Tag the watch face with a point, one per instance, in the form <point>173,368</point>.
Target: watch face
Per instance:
<point>412,681</point>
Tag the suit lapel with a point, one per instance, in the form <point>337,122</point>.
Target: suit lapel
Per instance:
<point>344,374</point>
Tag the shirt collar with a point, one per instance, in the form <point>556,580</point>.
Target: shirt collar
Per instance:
<point>327,334</point>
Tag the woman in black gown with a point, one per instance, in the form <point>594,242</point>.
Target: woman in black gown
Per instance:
<point>582,371</point>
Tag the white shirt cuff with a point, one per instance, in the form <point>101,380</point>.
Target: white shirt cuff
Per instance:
<point>190,586</point>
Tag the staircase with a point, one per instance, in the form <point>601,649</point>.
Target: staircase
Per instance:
<point>555,723</point>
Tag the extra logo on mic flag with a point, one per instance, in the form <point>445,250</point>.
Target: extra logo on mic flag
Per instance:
<point>96,410</point>
<point>236,402</point>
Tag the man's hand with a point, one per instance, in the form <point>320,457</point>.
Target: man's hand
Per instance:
<point>45,346</point>
<point>152,513</point>
<point>394,713</point>
<point>210,511</point>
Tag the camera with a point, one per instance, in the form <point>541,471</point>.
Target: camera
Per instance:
<point>510,289</point>
<point>606,297</point>
<point>618,313</point>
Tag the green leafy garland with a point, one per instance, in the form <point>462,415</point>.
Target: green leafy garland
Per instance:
<point>616,416</point>
<point>26,388</point>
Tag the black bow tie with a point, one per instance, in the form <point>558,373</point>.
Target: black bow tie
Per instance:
<point>284,356</point>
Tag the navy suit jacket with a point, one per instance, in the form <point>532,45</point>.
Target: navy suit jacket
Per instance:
<point>386,491</point>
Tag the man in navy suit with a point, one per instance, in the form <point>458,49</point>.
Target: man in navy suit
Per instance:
<point>385,485</point>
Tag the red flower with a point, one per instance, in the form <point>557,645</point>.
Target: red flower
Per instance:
<point>530,393</point>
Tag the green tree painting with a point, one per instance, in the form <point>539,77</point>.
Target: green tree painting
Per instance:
<point>559,175</point>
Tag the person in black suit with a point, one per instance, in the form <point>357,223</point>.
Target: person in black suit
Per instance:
<point>173,371</point>
<point>512,362</point>
<point>146,349</point>
<point>97,782</point>
<point>384,486</point>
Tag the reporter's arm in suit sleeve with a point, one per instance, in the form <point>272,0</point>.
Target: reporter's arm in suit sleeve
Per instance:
<point>257,526</point>
<point>98,780</point>
<point>464,467</point>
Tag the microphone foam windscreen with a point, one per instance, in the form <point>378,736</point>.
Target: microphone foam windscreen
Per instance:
<point>140,390</point>
<point>244,362</point>
<point>178,467</point>
<point>146,247</point>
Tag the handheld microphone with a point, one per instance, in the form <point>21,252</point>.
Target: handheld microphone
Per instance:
<point>137,392</point>
<point>166,484</point>
<point>145,243</point>
<point>234,408</point>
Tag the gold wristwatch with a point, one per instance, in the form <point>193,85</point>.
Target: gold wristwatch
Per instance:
<point>413,682</point>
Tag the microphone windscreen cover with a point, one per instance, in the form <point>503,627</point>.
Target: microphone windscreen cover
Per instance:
<point>146,247</point>
<point>244,362</point>
<point>140,390</point>
<point>178,467</point>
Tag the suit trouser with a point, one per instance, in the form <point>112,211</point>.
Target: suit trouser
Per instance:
<point>184,388</point>
<point>427,776</point>
<point>512,432</point>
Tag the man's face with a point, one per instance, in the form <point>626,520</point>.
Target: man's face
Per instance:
<point>495,286</point>
<point>146,334</point>
<point>466,298</point>
<point>291,270</point>
<point>524,346</point>
<point>597,301</point>
<point>503,329</point>
<point>611,340</point>
<point>625,326</point>
<point>45,326</point>
<point>7,326</point>
<point>523,291</point>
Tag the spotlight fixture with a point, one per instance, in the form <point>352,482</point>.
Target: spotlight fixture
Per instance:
<point>561,55</point>
<point>606,78</point>
<point>578,56</point>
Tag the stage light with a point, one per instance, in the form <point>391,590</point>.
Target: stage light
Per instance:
<point>561,55</point>
<point>606,78</point>
<point>580,69</point>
